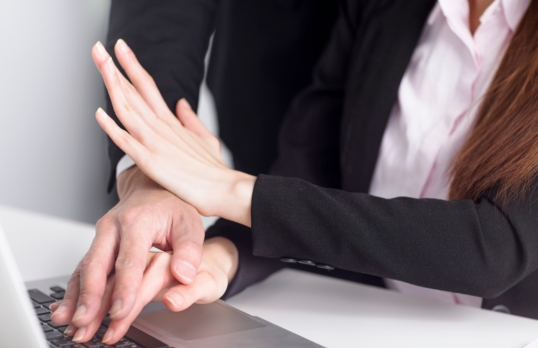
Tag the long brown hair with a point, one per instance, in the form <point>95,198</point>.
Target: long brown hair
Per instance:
<point>502,151</point>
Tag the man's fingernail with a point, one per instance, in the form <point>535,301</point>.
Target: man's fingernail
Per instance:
<point>54,306</point>
<point>70,330</point>
<point>80,334</point>
<point>59,310</point>
<point>101,51</point>
<point>116,307</point>
<point>185,104</point>
<point>81,310</point>
<point>108,335</point>
<point>175,299</point>
<point>185,270</point>
<point>122,46</point>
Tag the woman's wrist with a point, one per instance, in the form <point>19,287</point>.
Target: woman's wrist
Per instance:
<point>222,252</point>
<point>236,198</point>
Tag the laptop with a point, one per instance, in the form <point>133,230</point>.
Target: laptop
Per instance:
<point>25,320</point>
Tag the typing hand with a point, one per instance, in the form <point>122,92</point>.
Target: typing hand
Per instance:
<point>178,153</point>
<point>147,215</point>
<point>218,267</point>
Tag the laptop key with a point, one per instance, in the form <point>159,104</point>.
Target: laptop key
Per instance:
<point>62,328</point>
<point>63,342</point>
<point>57,288</point>
<point>56,326</point>
<point>46,328</point>
<point>58,295</point>
<point>41,310</point>
<point>35,304</point>
<point>44,317</point>
<point>93,344</point>
<point>39,297</point>
<point>101,332</point>
<point>52,335</point>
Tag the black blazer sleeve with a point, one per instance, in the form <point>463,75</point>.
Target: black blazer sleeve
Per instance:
<point>170,39</point>
<point>479,248</point>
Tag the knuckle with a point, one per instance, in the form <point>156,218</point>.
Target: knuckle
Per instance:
<point>131,216</point>
<point>148,80</point>
<point>104,223</point>
<point>127,262</point>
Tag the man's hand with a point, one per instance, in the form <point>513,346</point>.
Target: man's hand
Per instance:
<point>218,267</point>
<point>147,215</point>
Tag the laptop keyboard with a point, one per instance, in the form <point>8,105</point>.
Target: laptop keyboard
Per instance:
<point>55,333</point>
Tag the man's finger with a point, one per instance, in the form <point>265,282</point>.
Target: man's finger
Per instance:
<point>93,272</point>
<point>64,310</point>
<point>156,277</point>
<point>129,268</point>
<point>187,244</point>
<point>86,333</point>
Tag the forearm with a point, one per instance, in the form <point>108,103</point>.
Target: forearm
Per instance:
<point>468,247</point>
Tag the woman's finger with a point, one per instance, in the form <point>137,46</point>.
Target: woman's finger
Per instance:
<point>206,288</point>
<point>130,114</point>
<point>133,97</point>
<point>121,138</point>
<point>142,81</point>
<point>190,120</point>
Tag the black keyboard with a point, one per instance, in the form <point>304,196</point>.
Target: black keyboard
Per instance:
<point>55,333</point>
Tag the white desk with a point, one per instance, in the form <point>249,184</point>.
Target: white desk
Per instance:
<point>331,312</point>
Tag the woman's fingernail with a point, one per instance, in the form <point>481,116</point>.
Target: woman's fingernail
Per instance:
<point>80,334</point>
<point>116,307</point>
<point>108,335</point>
<point>101,112</point>
<point>185,104</point>
<point>70,330</point>
<point>174,299</point>
<point>122,46</point>
<point>185,270</point>
<point>101,51</point>
<point>81,310</point>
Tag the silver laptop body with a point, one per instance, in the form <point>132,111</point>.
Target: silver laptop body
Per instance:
<point>211,325</point>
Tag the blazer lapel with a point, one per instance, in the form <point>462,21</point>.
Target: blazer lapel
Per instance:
<point>383,49</point>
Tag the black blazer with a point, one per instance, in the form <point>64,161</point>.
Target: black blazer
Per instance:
<point>263,54</point>
<point>315,206</point>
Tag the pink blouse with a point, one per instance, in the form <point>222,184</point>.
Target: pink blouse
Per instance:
<point>438,101</point>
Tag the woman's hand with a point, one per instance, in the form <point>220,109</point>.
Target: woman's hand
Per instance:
<point>218,267</point>
<point>182,156</point>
